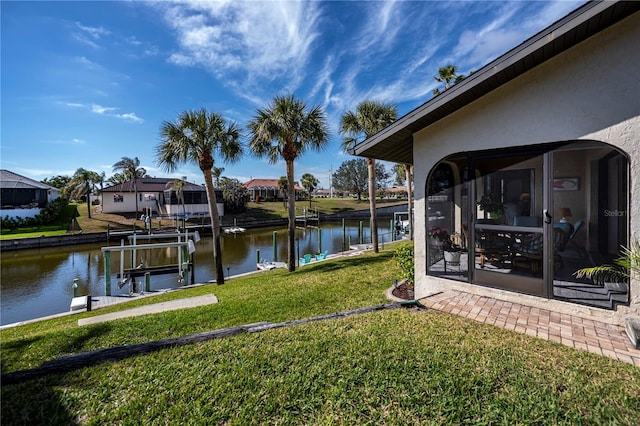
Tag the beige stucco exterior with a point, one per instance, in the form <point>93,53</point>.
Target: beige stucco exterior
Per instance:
<point>589,92</point>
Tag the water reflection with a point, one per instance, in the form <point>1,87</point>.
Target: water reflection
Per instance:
<point>39,282</point>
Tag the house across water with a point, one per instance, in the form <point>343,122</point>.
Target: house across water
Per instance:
<point>156,196</point>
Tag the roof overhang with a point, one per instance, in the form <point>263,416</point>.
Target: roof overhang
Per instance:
<point>395,142</point>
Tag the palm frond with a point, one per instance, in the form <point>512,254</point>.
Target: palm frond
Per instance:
<point>623,266</point>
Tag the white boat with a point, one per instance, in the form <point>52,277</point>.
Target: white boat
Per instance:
<point>266,265</point>
<point>234,230</point>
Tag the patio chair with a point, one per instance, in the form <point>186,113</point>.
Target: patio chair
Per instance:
<point>323,255</point>
<point>491,246</point>
<point>306,259</point>
<point>580,250</point>
<point>527,250</point>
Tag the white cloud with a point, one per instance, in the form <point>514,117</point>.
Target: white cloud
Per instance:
<point>89,35</point>
<point>99,109</point>
<point>257,39</point>
<point>94,32</point>
<point>82,60</point>
<point>104,110</point>
<point>130,116</point>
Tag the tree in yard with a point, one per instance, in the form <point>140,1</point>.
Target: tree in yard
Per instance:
<point>399,174</point>
<point>176,186</point>
<point>196,137</point>
<point>310,183</point>
<point>117,178</point>
<point>368,119</point>
<point>352,176</point>
<point>82,183</point>
<point>235,195</point>
<point>57,181</point>
<point>131,169</point>
<point>449,76</point>
<point>286,129</point>
<point>217,172</point>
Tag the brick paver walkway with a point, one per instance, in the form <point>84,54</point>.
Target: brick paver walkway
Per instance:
<point>593,336</point>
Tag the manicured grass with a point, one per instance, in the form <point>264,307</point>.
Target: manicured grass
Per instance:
<point>36,232</point>
<point>388,367</point>
<point>278,210</point>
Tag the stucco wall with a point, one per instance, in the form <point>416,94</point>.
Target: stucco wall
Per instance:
<point>591,92</point>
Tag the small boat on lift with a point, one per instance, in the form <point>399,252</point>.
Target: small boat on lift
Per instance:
<point>235,229</point>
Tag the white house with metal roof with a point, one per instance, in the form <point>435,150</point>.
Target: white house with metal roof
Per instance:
<point>531,165</point>
<point>155,196</point>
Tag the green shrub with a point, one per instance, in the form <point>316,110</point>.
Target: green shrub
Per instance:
<point>49,214</point>
<point>404,259</point>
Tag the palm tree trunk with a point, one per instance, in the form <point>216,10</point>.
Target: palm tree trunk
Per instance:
<point>215,225</point>
<point>88,201</point>
<point>407,172</point>
<point>291,263</point>
<point>371,165</point>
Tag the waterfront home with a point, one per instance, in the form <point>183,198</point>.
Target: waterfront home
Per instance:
<point>155,196</point>
<point>530,166</point>
<point>267,190</point>
<point>22,196</point>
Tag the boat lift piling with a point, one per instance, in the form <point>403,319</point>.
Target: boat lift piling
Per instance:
<point>185,248</point>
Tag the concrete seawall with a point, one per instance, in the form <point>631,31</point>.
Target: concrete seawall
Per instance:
<point>52,241</point>
<point>66,240</point>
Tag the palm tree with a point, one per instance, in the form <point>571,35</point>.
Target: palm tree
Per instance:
<point>130,167</point>
<point>117,178</point>
<point>82,183</point>
<point>196,137</point>
<point>447,75</point>
<point>309,182</point>
<point>286,129</point>
<point>177,186</point>
<point>368,119</point>
<point>217,172</point>
<point>627,262</point>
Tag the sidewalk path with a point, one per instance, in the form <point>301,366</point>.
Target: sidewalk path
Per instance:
<point>580,333</point>
<point>173,305</point>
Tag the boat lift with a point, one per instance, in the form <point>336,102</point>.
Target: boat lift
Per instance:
<point>185,249</point>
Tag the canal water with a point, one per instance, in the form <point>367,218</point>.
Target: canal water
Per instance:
<point>39,282</point>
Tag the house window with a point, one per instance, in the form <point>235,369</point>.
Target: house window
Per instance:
<point>118,198</point>
<point>149,197</point>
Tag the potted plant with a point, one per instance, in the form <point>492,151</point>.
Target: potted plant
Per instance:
<point>491,204</point>
<point>404,259</point>
<point>452,252</point>
<point>438,236</point>
<point>441,237</point>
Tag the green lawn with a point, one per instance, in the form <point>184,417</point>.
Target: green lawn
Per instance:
<point>388,367</point>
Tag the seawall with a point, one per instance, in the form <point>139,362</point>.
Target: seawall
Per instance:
<point>66,240</point>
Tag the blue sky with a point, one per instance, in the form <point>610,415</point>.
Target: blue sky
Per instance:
<point>85,83</point>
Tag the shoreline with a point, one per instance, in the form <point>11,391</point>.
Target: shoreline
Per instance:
<point>15,244</point>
